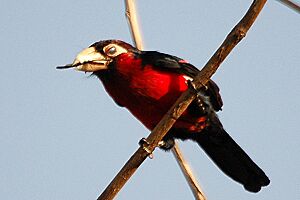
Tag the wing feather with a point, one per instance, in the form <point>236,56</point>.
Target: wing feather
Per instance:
<point>167,62</point>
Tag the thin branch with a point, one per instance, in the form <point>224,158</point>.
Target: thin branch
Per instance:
<point>294,6</point>
<point>234,37</point>
<point>132,19</point>
<point>188,174</point>
<point>134,27</point>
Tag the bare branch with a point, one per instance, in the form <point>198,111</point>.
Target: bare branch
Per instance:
<point>234,37</point>
<point>291,4</point>
<point>188,174</point>
<point>132,19</point>
<point>131,14</point>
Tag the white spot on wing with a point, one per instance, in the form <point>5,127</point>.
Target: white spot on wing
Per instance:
<point>187,78</point>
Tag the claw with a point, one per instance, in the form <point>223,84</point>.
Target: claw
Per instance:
<point>166,144</point>
<point>144,144</point>
<point>161,143</point>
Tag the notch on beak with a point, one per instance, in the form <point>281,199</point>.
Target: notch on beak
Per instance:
<point>88,60</point>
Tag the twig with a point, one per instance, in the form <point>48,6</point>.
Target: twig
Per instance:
<point>291,4</point>
<point>134,27</point>
<point>188,174</point>
<point>234,37</point>
<point>132,19</point>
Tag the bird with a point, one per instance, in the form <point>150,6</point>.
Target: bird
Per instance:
<point>148,83</point>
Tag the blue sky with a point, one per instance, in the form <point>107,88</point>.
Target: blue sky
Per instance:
<point>62,137</point>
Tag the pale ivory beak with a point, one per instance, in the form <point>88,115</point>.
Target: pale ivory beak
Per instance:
<point>89,60</point>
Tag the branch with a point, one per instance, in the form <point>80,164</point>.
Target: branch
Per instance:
<point>234,37</point>
<point>131,15</point>
<point>291,4</point>
<point>188,174</point>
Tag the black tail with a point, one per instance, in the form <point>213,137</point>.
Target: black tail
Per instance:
<point>231,159</point>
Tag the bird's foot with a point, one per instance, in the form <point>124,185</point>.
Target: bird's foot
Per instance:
<point>145,144</point>
<point>166,144</point>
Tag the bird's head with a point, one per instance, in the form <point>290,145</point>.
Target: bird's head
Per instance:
<point>99,55</point>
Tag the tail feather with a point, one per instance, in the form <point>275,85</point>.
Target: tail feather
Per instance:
<point>231,159</point>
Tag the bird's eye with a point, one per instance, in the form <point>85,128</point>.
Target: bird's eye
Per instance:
<point>111,50</point>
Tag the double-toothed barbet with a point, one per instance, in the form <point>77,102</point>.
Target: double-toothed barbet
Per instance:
<point>148,83</point>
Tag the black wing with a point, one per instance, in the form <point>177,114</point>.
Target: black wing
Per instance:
<point>178,65</point>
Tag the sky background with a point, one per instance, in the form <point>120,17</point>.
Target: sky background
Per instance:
<point>62,137</point>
